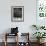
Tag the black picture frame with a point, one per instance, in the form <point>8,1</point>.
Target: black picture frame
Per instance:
<point>17,13</point>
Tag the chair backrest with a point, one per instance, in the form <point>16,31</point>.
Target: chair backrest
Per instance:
<point>24,37</point>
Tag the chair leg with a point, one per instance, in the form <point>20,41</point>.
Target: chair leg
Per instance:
<point>5,43</point>
<point>5,39</point>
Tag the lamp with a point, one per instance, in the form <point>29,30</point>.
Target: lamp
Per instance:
<point>14,30</point>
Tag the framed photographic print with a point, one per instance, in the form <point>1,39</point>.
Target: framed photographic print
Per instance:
<point>41,8</point>
<point>41,12</point>
<point>17,13</point>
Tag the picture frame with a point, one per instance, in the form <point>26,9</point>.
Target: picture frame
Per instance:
<point>17,13</point>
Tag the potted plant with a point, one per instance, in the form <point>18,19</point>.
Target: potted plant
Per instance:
<point>38,27</point>
<point>39,35</point>
<point>35,26</point>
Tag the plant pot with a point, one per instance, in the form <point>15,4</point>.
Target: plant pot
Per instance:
<point>40,41</point>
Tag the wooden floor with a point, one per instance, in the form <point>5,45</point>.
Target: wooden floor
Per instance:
<point>13,44</point>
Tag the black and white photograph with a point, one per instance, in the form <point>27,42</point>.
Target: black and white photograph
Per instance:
<point>17,13</point>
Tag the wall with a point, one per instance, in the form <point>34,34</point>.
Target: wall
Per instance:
<point>29,15</point>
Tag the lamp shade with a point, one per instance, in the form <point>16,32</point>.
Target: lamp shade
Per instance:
<point>14,30</point>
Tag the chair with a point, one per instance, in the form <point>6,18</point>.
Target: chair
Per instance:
<point>26,41</point>
<point>7,35</point>
<point>14,32</point>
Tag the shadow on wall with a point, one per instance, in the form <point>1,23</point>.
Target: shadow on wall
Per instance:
<point>3,33</point>
<point>32,30</point>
